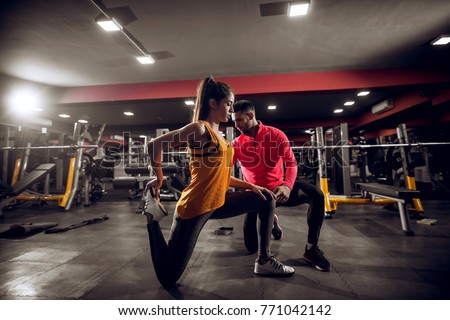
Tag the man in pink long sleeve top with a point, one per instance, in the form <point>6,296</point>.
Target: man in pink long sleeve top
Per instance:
<point>266,159</point>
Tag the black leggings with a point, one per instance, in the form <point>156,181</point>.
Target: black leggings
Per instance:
<point>170,259</point>
<point>302,192</point>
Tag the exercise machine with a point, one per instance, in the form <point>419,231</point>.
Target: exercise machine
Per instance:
<point>371,193</point>
<point>9,197</point>
<point>77,180</point>
<point>132,170</point>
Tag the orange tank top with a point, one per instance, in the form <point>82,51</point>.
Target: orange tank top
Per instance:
<point>210,168</point>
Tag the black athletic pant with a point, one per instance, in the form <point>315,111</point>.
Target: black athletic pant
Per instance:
<point>302,192</point>
<point>170,259</point>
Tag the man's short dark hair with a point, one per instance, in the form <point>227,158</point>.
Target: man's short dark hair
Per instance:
<point>244,106</point>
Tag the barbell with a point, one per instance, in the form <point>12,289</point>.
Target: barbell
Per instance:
<point>360,146</point>
<point>87,146</point>
<point>385,145</point>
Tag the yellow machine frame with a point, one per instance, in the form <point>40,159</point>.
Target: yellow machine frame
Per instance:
<point>332,201</point>
<point>64,200</point>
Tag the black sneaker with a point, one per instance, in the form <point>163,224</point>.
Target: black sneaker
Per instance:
<point>316,258</point>
<point>277,232</point>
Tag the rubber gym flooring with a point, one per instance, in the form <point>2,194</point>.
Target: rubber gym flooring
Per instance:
<point>370,257</point>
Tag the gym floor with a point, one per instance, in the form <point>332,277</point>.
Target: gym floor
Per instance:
<point>370,257</point>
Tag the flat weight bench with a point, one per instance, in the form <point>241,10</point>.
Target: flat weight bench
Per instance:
<point>168,168</point>
<point>401,195</point>
<point>139,176</point>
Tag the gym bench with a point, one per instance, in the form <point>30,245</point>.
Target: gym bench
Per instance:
<point>27,181</point>
<point>138,176</point>
<point>401,195</point>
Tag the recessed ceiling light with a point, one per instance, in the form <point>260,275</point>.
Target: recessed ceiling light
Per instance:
<point>363,93</point>
<point>189,102</point>
<point>338,110</point>
<point>83,121</point>
<point>349,103</point>
<point>145,59</point>
<point>299,8</point>
<point>271,107</point>
<point>441,41</point>
<point>63,115</point>
<point>128,113</point>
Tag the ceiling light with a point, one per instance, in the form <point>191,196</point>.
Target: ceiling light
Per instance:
<point>189,102</point>
<point>128,113</point>
<point>441,41</point>
<point>63,115</point>
<point>82,121</point>
<point>271,107</point>
<point>147,59</point>
<point>24,100</point>
<point>298,8</point>
<point>338,110</point>
<point>349,103</point>
<point>108,23</point>
<point>122,16</point>
<point>363,93</point>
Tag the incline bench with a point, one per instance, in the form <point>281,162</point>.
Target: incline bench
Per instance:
<point>26,181</point>
<point>401,195</point>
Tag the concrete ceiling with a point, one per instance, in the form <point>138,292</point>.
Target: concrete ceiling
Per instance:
<point>57,44</point>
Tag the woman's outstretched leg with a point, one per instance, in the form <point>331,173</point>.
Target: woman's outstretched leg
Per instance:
<point>251,232</point>
<point>256,235</point>
<point>266,216</point>
<point>237,203</point>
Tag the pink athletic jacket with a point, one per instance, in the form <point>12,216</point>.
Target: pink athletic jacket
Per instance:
<point>262,158</point>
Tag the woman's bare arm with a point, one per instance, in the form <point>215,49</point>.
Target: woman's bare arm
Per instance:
<point>193,133</point>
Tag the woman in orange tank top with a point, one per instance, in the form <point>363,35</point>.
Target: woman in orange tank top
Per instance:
<point>206,196</point>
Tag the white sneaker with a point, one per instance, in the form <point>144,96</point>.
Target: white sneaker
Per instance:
<point>151,207</point>
<point>273,267</point>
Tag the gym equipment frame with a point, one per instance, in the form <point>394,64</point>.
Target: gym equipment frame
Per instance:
<point>380,194</point>
<point>64,200</point>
